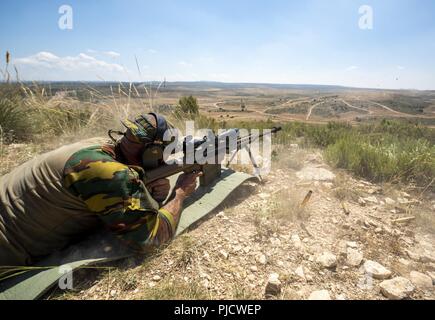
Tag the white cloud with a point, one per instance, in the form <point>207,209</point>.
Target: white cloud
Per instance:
<point>112,54</point>
<point>47,66</point>
<point>152,51</point>
<point>351,68</point>
<point>185,64</point>
<point>400,67</point>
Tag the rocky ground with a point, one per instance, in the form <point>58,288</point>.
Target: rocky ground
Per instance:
<point>350,239</point>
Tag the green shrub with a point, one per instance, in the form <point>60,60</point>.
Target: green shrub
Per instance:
<point>387,159</point>
<point>188,105</point>
<point>387,150</point>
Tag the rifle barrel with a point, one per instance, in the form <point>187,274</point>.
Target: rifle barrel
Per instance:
<point>167,170</point>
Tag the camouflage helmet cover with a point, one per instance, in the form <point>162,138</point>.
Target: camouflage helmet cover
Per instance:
<point>147,128</point>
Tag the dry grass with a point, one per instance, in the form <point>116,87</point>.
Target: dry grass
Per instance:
<point>343,192</point>
<point>282,207</point>
<point>287,157</point>
<point>177,289</point>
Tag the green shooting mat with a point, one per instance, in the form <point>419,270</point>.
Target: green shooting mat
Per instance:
<point>103,247</point>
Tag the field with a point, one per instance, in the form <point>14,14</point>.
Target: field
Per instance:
<point>394,127</point>
<point>378,148</point>
<point>250,102</point>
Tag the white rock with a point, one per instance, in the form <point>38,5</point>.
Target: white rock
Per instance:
<point>397,288</point>
<point>296,241</point>
<point>413,255</point>
<point>352,244</point>
<point>251,277</point>
<point>315,174</point>
<point>220,214</point>
<point>294,146</point>
<point>371,199</point>
<point>275,242</point>
<point>371,191</point>
<point>224,254</point>
<point>403,200</point>
<point>319,295</point>
<point>253,268</point>
<point>353,257</point>
<point>390,201</point>
<point>404,262</point>
<point>427,257</point>
<point>261,259</point>
<point>377,270</point>
<point>300,272</point>
<point>362,202</point>
<point>205,283</point>
<point>432,275</point>
<point>264,195</point>
<point>237,248</point>
<point>420,280</point>
<point>327,260</point>
<point>341,296</point>
<point>328,185</point>
<point>273,286</point>
<point>157,278</point>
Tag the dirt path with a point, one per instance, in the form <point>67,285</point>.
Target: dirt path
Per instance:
<point>311,110</point>
<point>391,110</point>
<point>357,108</point>
<point>402,114</point>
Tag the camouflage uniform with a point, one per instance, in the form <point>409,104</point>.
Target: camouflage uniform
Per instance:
<point>61,196</point>
<point>117,194</point>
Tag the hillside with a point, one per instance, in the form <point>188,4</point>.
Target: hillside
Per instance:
<point>370,211</point>
<point>261,244</point>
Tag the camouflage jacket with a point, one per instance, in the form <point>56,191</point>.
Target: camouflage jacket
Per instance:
<point>116,193</point>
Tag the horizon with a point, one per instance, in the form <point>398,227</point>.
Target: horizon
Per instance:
<point>154,82</point>
<point>225,42</point>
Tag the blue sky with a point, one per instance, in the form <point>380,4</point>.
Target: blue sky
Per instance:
<point>310,42</point>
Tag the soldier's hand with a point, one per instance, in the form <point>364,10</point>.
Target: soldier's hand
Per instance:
<point>186,183</point>
<point>159,189</point>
